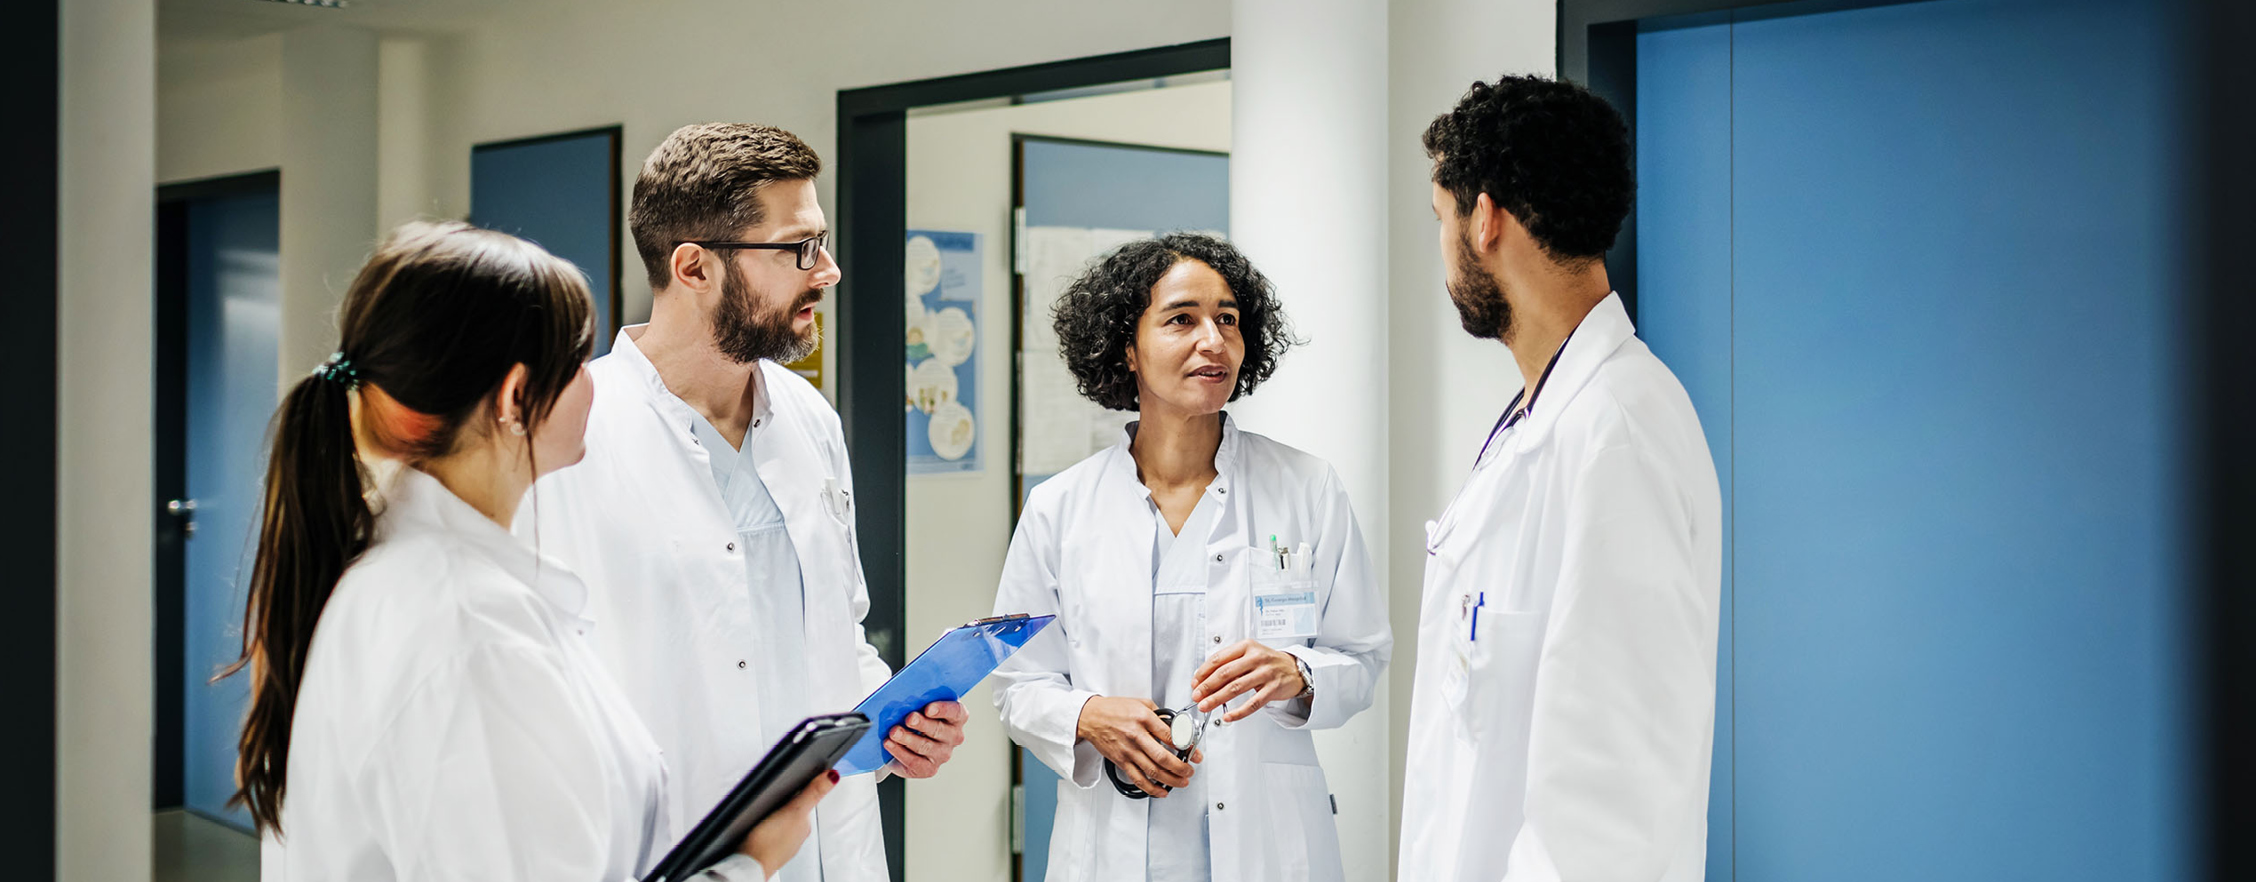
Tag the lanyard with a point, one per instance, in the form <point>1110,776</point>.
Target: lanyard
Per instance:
<point>1514,413</point>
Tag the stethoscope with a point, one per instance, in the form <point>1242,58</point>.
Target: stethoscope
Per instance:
<point>1185,729</point>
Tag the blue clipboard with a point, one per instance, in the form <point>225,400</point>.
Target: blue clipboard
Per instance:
<point>944,671</point>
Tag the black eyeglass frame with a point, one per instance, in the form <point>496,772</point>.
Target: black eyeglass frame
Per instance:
<point>809,249</point>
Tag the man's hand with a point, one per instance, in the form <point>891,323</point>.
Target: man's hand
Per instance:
<point>1248,667</point>
<point>925,741</point>
<point>1126,731</point>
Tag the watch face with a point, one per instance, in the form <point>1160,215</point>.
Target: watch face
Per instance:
<point>1183,730</point>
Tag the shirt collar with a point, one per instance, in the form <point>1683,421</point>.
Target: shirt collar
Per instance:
<point>1225,457</point>
<point>416,504</point>
<point>1602,331</point>
<point>678,412</point>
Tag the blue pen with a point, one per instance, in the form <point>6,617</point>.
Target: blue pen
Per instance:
<point>1481,601</point>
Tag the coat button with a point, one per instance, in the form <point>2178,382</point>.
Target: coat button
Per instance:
<point>732,546</point>
<point>740,664</point>
<point>1217,638</point>
<point>1221,489</point>
<point>1217,806</point>
<point>1218,558</point>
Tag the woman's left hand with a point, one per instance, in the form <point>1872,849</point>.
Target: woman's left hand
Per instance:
<point>1248,668</point>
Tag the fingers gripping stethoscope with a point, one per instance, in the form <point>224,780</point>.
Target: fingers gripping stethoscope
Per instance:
<point>1185,729</point>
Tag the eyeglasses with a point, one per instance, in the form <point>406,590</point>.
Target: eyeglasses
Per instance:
<point>809,249</point>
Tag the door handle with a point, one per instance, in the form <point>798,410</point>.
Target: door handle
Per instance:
<point>185,511</point>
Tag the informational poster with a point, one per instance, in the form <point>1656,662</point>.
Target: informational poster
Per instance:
<point>942,404</point>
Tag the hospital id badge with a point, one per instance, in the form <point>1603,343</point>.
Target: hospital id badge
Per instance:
<point>1286,615</point>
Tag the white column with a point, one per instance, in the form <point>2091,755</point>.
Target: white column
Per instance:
<point>329,168</point>
<point>1308,203</point>
<point>1446,388</point>
<point>106,184</point>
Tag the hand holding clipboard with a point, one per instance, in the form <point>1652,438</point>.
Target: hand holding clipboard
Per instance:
<point>944,671</point>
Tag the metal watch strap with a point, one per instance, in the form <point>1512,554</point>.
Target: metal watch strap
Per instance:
<point>1307,678</point>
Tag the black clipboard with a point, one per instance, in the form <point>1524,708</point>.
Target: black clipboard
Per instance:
<point>811,749</point>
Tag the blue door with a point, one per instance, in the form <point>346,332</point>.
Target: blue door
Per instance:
<point>1914,263</point>
<point>561,191</point>
<point>233,323</point>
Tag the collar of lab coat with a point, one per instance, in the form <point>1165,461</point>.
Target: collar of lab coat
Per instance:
<point>1225,457</point>
<point>417,504</point>
<point>1601,332</point>
<point>678,413</point>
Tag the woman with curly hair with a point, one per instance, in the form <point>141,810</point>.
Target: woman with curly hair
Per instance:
<point>1214,602</point>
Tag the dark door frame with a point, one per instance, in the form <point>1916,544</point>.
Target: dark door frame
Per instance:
<point>28,371</point>
<point>872,163</point>
<point>617,134</point>
<point>169,388</point>
<point>1597,46</point>
<point>2222,481</point>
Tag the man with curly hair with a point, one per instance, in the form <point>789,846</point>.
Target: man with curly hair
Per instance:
<point>1564,708</point>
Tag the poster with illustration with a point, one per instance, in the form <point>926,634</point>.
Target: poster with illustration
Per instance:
<point>942,404</point>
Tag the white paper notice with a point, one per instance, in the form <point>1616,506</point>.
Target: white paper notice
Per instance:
<point>1059,427</point>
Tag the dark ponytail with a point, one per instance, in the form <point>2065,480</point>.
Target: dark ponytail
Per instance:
<point>430,328</point>
<point>315,521</point>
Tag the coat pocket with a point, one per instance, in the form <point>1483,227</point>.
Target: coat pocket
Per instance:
<point>1300,840</point>
<point>1500,680</point>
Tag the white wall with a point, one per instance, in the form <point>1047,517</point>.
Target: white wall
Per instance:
<point>219,106</point>
<point>328,184</point>
<point>104,700</point>
<point>1445,388</point>
<point>1307,185</point>
<point>959,179</point>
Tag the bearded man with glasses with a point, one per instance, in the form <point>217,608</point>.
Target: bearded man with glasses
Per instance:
<point>713,518</point>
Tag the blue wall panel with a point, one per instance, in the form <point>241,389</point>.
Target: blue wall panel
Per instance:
<point>557,192</point>
<point>1070,184</point>
<point>1684,260</point>
<point>1952,432</point>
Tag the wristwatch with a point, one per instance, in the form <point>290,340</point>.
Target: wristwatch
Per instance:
<point>1307,680</point>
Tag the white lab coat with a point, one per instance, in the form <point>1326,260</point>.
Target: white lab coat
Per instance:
<point>454,724</point>
<point>643,522</point>
<point>1083,551</point>
<point>1580,747</point>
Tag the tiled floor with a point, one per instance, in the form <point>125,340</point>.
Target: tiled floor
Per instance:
<point>189,848</point>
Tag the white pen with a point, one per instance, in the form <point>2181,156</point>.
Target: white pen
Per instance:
<point>1307,562</point>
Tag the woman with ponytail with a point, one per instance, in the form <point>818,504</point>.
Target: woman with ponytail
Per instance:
<point>425,703</point>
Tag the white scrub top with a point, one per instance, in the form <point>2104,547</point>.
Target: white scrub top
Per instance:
<point>771,576</point>
<point>454,723</point>
<point>1563,712</point>
<point>1178,831</point>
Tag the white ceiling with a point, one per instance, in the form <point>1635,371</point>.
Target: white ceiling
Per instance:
<point>234,19</point>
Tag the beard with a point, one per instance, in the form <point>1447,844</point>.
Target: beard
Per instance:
<point>745,332</point>
<point>1480,302</point>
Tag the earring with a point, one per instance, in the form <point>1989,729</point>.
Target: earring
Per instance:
<point>515,427</point>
